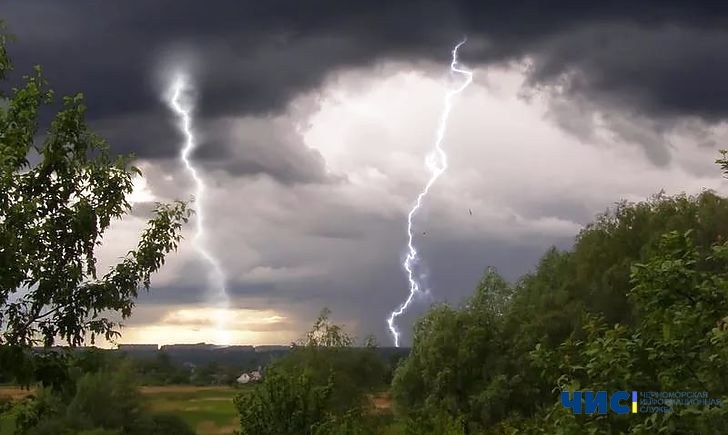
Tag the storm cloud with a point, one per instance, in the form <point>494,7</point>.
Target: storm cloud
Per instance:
<point>314,118</point>
<point>662,59</point>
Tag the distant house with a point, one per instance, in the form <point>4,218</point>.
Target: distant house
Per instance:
<point>253,376</point>
<point>243,379</point>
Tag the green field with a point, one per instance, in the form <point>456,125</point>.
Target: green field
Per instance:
<point>209,410</point>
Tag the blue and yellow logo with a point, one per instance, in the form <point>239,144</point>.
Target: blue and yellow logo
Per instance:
<point>622,402</point>
<point>597,402</point>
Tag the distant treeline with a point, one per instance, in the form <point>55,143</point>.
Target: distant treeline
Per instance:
<point>248,357</point>
<point>185,364</point>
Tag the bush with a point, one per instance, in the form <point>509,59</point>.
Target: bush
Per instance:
<point>103,403</point>
<point>320,387</point>
<point>168,424</point>
<point>283,403</point>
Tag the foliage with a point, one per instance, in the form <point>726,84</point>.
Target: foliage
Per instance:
<point>167,423</point>
<point>681,295</point>
<point>327,354</point>
<point>324,333</point>
<point>57,198</point>
<point>283,404</point>
<point>161,370</point>
<point>34,411</point>
<point>206,409</point>
<point>103,402</point>
<point>320,387</point>
<point>446,370</point>
<point>639,303</point>
<point>59,193</point>
<point>356,421</point>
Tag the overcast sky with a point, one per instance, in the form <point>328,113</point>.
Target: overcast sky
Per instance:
<point>314,119</point>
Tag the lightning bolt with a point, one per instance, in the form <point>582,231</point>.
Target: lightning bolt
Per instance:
<point>183,107</point>
<point>436,163</point>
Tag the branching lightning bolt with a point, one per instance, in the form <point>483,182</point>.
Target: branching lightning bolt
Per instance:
<point>183,107</point>
<point>436,163</point>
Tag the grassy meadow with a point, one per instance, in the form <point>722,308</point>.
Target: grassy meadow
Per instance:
<point>209,409</point>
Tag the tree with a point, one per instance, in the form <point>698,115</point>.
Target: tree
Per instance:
<point>454,371</point>
<point>569,288</point>
<point>319,388</point>
<point>679,343</point>
<point>284,403</point>
<point>328,353</point>
<point>638,303</point>
<point>57,198</point>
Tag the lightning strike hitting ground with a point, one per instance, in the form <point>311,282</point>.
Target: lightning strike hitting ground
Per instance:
<point>436,163</point>
<point>183,106</point>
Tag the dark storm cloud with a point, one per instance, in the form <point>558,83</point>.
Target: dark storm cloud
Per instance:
<point>665,70</point>
<point>647,63</point>
<point>662,58</point>
<point>255,147</point>
<point>254,55</point>
<point>149,134</point>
